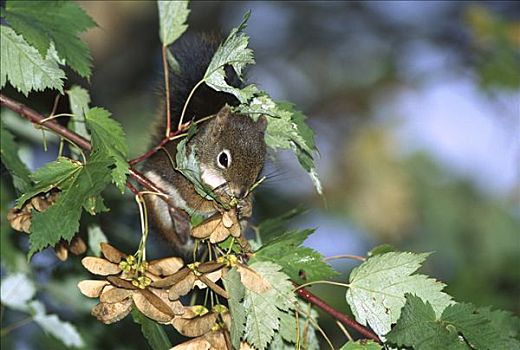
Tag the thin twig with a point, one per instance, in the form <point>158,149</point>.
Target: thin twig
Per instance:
<point>167,91</point>
<point>346,256</point>
<point>344,330</point>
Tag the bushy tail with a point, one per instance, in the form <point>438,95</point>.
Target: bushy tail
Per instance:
<point>193,52</point>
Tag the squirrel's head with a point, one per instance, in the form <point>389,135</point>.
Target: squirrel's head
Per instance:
<point>232,152</point>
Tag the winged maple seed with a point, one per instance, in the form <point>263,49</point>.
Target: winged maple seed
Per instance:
<point>214,340</point>
<point>218,227</point>
<point>128,284</point>
<point>197,274</point>
<point>20,219</point>
<point>209,328</point>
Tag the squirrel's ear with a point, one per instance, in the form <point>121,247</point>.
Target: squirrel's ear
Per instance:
<point>223,114</point>
<point>261,123</point>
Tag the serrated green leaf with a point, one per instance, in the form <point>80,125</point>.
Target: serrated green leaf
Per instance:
<point>264,310</point>
<point>476,328</point>
<point>286,338</point>
<point>56,174</point>
<point>61,220</point>
<point>418,328</point>
<point>108,138</point>
<point>24,68</point>
<point>236,292</point>
<point>95,204</point>
<point>172,20</point>
<point>152,331</point>
<point>60,22</point>
<point>300,263</point>
<point>11,160</point>
<point>271,228</point>
<point>286,129</point>
<point>235,53</point>
<point>361,345</point>
<point>79,100</point>
<point>504,322</point>
<point>261,321</point>
<point>378,286</point>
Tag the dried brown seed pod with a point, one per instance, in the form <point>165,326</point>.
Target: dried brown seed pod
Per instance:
<point>112,312</point>
<point>99,266</point>
<point>195,327</point>
<point>111,253</point>
<point>77,246</point>
<point>92,288</point>
<point>165,266</point>
<point>20,219</point>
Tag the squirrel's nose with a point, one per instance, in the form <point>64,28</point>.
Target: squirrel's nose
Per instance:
<point>239,192</point>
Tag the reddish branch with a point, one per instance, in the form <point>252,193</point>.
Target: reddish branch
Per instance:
<point>313,299</point>
<point>83,143</point>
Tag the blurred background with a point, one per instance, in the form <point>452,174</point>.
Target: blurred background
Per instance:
<point>416,109</point>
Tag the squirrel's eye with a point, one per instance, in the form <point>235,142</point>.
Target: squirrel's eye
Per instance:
<point>224,159</point>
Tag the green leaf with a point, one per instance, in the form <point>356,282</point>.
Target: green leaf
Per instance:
<point>505,323</point>
<point>95,204</point>
<point>264,310</point>
<point>60,22</point>
<point>286,129</point>
<point>56,174</point>
<point>236,292</point>
<point>172,20</point>
<point>361,345</point>
<point>153,332</point>
<point>9,153</point>
<point>377,289</point>
<point>476,328</point>
<point>289,328</point>
<point>79,100</point>
<point>418,328</point>
<point>235,53</point>
<point>271,228</point>
<point>108,138</point>
<point>300,263</point>
<point>25,69</point>
<point>61,220</point>
<point>230,243</point>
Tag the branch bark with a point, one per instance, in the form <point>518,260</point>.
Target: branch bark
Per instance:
<point>346,320</point>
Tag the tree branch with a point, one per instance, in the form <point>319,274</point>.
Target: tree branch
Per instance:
<point>78,140</point>
<point>37,118</point>
<point>313,299</point>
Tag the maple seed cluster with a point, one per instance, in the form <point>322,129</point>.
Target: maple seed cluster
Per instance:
<point>155,287</point>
